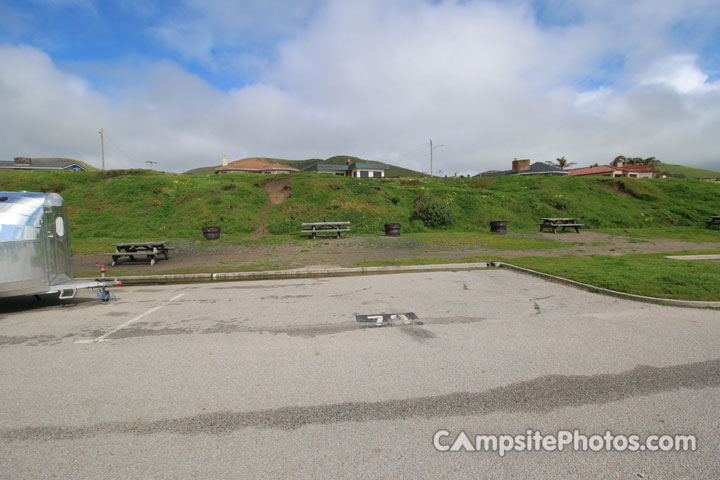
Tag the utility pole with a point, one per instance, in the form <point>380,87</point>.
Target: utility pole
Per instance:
<point>431,150</point>
<point>150,162</point>
<point>102,147</point>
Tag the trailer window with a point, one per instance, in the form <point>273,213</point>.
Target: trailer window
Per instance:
<point>59,226</point>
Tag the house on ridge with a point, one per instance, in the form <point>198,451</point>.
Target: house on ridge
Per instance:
<point>25,163</point>
<point>616,169</point>
<point>254,165</point>
<point>523,167</point>
<point>352,169</point>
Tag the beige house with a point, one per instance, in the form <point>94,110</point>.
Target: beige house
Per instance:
<point>629,171</point>
<point>254,165</point>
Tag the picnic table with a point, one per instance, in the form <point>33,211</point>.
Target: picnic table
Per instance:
<point>325,227</point>
<point>135,250</point>
<point>714,220</point>
<point>564,223</point>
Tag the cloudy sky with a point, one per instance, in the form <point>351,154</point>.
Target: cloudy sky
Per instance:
<point>183,82</point>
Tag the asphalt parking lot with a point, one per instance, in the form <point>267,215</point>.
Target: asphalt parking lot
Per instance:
<point>351,377</point>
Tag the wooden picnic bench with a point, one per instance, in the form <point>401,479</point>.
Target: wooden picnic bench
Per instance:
<point>334,228</point>
<point>714,220</point>
<point>564,223</point>
<point>137,250</point>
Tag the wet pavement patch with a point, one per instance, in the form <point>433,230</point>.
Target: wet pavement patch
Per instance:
<point>542,394</point>
<point>33,341</point>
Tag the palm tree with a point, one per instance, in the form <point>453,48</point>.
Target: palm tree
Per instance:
<point>635,160</point>
<point>562,163</point>
<point>650,161</point>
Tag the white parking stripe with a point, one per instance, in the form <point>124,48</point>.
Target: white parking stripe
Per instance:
<point>102,338</point>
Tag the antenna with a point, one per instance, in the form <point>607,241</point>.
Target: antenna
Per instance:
<point>151,163</point>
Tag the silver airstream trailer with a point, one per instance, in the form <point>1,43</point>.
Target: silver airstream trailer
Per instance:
<point>35,246</point>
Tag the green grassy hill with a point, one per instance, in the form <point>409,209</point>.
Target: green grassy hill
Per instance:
<point>393,171</point>
<point>201,171</point>
<point>144,204</point>
<point>137,204</point>
<point>682,171</point>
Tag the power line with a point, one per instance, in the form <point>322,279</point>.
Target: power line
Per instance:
<point>431,159</point>
<point>119,149</point>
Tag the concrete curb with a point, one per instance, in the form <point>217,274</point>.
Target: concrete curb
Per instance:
<point>296,273</point>
<point>607,291</point>
<point>348,271</point>
<point>711,258</point>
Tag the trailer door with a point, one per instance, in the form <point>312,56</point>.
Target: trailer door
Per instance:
<point>57,241</point>
<point>49,238</point>
<point>63,248</point>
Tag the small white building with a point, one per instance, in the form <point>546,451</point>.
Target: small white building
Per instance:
<point>352,169</point>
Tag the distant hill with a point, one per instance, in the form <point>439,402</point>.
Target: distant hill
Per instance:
<point>393,171</point>
<point>201,171</point>
<point>687,172</point>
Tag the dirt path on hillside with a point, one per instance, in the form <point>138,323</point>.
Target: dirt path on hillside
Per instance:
<point>347,252</point>
<point>277,191</point>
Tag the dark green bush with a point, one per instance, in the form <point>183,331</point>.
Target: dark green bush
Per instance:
<point>433,212</point>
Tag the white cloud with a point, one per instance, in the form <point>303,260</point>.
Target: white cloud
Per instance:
<point>679,72</point>
<point>204,30</point>
<point>45,112</point>
<point>592,100</point>
<point>378,80</point>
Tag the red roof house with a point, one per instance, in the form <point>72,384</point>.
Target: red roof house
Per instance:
<point>630,171</point>
<point>254,165</point>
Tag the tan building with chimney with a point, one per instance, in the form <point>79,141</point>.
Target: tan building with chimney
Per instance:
<point>524,167</point>
<point>254,165</point>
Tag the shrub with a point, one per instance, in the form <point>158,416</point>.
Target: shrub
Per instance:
<point>433,212</point>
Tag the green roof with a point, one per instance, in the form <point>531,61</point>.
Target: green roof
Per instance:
<point>345,168</point>
<point>376,166</point>
<point>325,166</point>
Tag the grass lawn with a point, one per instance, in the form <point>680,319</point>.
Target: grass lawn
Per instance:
<point>438,241</point>
<point>642,274</point>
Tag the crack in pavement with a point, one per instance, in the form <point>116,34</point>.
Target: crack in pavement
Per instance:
<point>542,395</point>
<point>141,329</point>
